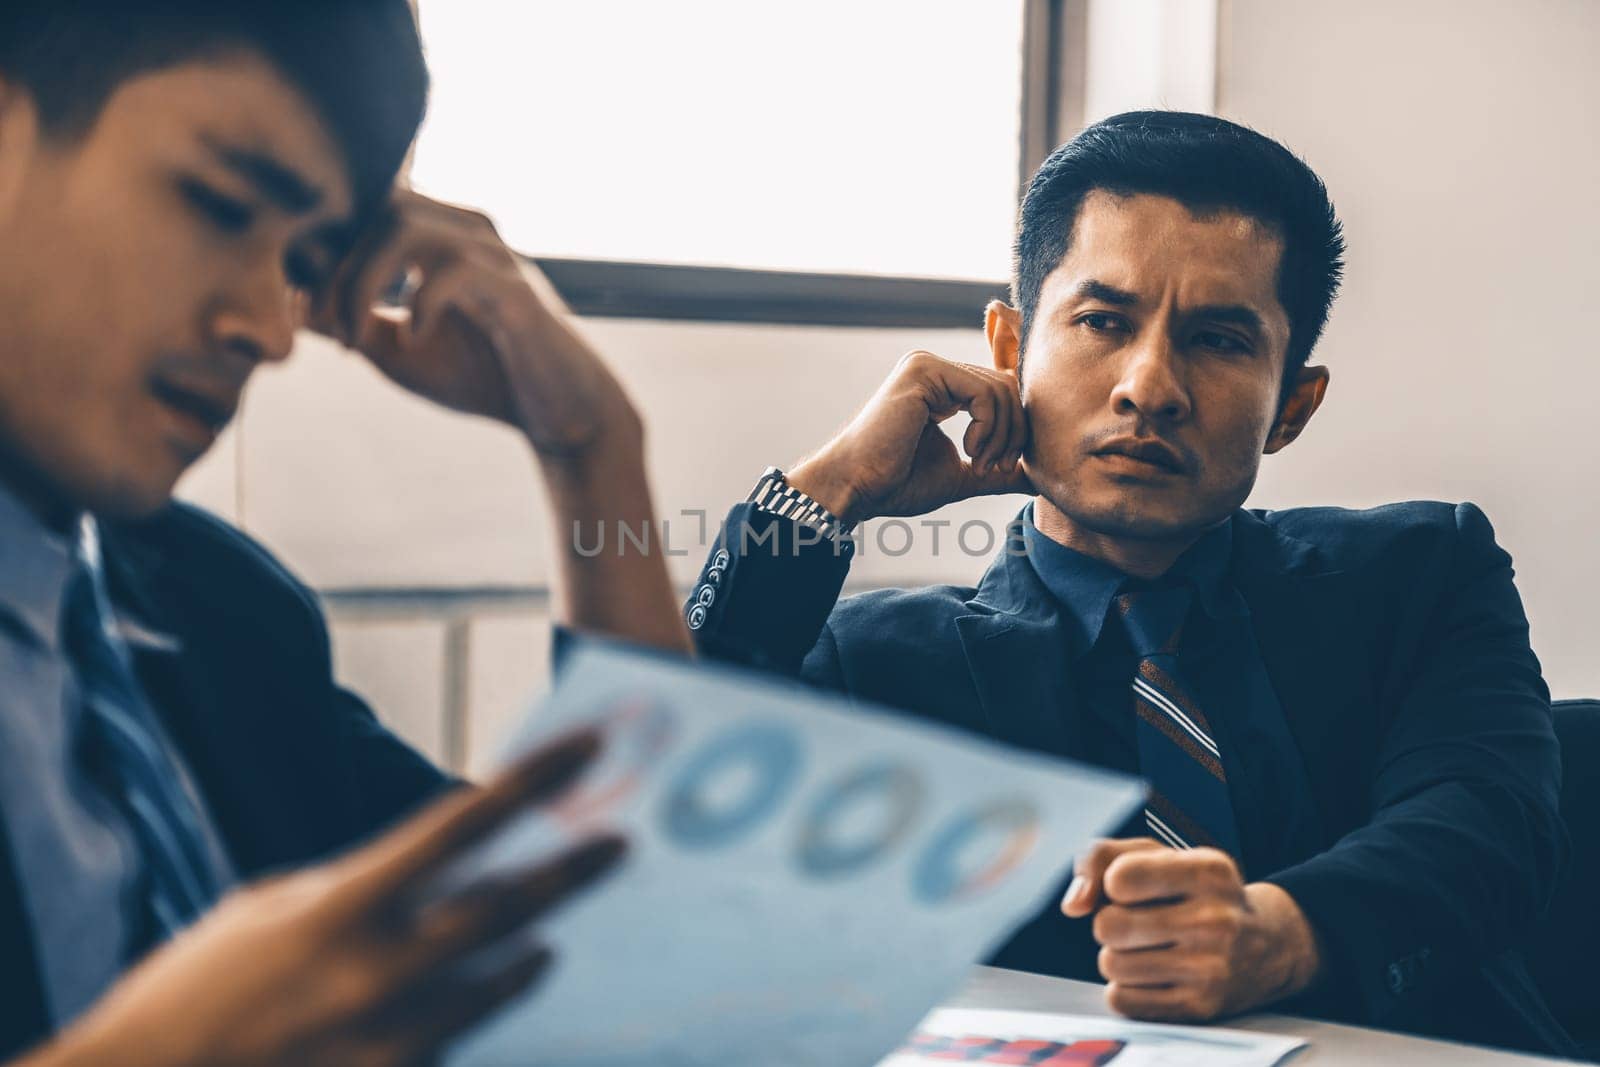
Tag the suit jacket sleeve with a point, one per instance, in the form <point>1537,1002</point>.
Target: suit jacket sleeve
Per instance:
<point>390,779</point>
<point>1464,840</point>
<point>765,593</point>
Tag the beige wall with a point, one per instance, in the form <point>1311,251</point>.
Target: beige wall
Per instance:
<point>1459,141</point>
<point>356,484</point>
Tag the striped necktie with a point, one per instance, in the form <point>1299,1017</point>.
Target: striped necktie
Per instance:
<point>123,750</point>
<point>1188,803</point>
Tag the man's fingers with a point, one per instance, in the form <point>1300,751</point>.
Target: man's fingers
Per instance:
<point>1010,452</point>
<point>407,251</point>
<point>1155,966</point>
<point>461,1009</point>
<point>998,430</point>
<point>530,894</point>
<point>1144,876</point>
<point>997,480</point>
<point>455,286</point>
<point>1005,422</point>
<point>984,428</point>
<point>328,311</point>
<point>460,285</point>
<point>1129,929</point>
<point>1087,890</point>
<point>1176,1003</point>
<point>483,914</point>
<point>1018,480</point>
<point>948,386</point>
<point>437,1012</point>
<point>1007,415</point>
<point>447,828</point>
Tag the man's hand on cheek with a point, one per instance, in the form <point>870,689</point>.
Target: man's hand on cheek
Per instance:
<point>1182,938</point>
<point>893,459</point>
<point>476,329</point>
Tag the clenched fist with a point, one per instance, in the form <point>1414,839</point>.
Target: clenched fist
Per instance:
<point>1183,938</point>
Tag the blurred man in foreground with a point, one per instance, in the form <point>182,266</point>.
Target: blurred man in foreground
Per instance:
<point>183,186</point>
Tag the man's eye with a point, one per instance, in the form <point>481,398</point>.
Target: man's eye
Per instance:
<point>223,212</point>
<point>1220,342</point>
<point>1101,322</point>
<point>304,273</point>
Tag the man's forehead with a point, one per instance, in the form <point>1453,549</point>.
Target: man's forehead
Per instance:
<point>239,109</point>
<point>1143,242</point>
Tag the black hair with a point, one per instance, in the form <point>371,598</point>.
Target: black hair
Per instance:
<point>357,62</point>
<point>1207,164</point>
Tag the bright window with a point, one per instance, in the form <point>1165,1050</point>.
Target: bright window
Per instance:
<point>875,136</point>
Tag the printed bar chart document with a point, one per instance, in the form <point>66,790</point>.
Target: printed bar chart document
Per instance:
<point>1042,1040</point>
<point>806,879</point>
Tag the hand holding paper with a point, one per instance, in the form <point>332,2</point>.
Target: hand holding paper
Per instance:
<point>805,880</point>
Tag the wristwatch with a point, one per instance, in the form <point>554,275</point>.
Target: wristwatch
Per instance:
<point>775,495</point>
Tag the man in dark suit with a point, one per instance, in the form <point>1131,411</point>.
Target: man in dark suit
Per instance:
<point>1353,776</point>
<point>182,186</point>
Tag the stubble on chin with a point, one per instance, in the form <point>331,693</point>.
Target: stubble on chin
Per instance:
<point>1137,513</point>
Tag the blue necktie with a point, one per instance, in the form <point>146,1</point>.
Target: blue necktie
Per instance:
<point>1188,803</point>
<point>123,750</point>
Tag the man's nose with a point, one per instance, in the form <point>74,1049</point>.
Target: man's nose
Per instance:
<point>1152,383</point>
<point>259,318</point>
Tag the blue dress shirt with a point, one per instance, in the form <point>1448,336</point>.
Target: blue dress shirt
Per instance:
<point>76,857</point>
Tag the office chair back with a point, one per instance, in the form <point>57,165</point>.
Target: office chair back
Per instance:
<point>1565,954</point>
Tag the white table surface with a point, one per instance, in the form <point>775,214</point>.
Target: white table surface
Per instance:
<point>1332,1045</point>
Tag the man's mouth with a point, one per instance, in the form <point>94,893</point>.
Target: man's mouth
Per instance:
<point>1145,452</point>
<point>212,409</point>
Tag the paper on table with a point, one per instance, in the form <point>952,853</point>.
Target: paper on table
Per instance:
<point>952,1035</point>
<point>805,879</point>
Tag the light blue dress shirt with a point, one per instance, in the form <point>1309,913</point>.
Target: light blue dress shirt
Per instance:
<point>76,858</point>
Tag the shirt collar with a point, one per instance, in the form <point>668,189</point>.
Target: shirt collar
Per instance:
<point>36,566</point>
<point>121,625</point>
<point>1085,585</point>
<point>36,563</point>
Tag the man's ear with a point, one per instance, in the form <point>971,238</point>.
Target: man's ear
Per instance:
<point>1002,325</point>
<point>19,140</point>
<point>1304,398</point>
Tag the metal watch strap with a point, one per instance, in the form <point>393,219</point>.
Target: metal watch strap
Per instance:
<point>774,494</point>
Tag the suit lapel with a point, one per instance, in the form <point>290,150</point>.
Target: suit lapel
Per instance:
<point>1016,654</point>
<point>1301,612</point>
<point>1307,623</point>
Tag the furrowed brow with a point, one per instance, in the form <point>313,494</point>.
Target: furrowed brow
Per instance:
<point>275,181</point>
<point>1093,289</point>
<point>1231,315</point>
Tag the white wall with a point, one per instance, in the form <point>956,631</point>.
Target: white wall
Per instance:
<point>1458,139</point>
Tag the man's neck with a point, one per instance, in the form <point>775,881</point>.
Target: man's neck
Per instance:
<point>37,495</point>
<point>1139,557</point>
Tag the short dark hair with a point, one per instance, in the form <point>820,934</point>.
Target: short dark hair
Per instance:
<point>1207,164</point>
<point>358,63</point>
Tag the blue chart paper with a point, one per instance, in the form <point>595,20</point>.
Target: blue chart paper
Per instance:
<point>806,879</point>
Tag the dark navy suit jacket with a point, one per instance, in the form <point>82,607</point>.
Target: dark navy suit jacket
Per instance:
<point>292,767</point>
<point>1398,649</point>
